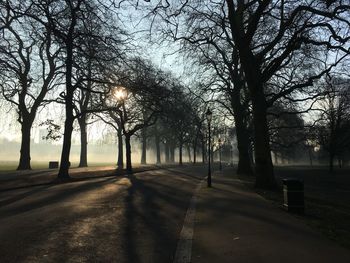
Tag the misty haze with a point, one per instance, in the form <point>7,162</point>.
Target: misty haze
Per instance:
<point>175,131</point>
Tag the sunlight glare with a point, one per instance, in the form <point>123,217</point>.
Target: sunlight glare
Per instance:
<point>120,93</point>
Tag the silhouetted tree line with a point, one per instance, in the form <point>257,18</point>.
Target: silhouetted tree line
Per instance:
<point>78,54</point>
<point>266,58</point>
<point>264,62</point>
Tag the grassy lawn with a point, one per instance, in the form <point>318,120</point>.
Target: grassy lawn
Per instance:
<point>12,165</point>
<point>327,199</point>
<point>8,165</point>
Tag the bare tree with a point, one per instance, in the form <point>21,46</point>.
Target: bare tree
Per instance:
<point>65,18</point>
<point>334,121</point>
<point>100,52</point>
<point>29,69</point>
<point>269,36</point>
<point>138,100</point>
<point>112,118</point>
<point>287,131</point>
<point>202,29</point>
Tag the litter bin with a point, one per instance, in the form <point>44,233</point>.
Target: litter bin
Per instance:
<point>53,165</point>
<point>293,192</point>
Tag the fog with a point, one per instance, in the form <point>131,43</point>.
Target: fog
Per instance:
<point>98,154</point>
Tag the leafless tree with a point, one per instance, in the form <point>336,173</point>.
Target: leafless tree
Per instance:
<point>268,37</point>
<point>66,18</point>
<point>30,68</point>
<point>334,119</point>
<point>138,100</point>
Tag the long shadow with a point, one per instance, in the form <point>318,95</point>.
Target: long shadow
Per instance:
<point>23,195</point>
<point>256,211</point>
<point>77,176</point>
<point>31,238</point>
<point>150,208</point>
<point>131,254</point>
<point>60,195</point>
<point>249,208</point>
<point>174,170</point>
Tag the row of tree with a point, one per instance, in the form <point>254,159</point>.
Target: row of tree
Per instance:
<point>75,53</point>
<point>47,45</point>
<point>267,63</point>
<point>265,58</point>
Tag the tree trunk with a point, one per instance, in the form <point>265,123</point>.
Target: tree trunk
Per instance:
<point>189,154</point>
<point>194,153</point>
<point>263,161</point>
<point>212,153</point>
<point>120,162</point>
<point>310,155</point>
<point>24,160</point>
<point>82,120</point>
<point>128,153</point>
<point>275,157</point>
<point>244,164</point>
<point>68,125</point>
<point>331,162</point>
<point>67,137</point>
<point>167,152</point>
<point>157,141</point>
<point>83,141</point>
<point>172,153</point>
<point>340,162</point>
<point>252,71</point>
<point>144,146</point>
<point>242,133</point>
<point>204,156</point>
<point>180,153</point>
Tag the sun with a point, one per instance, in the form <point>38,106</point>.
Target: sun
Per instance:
<point>120,93</point>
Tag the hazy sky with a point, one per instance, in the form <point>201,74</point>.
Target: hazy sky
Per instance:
<point>159,54</point>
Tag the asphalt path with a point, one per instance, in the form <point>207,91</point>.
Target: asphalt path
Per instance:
<point>135,218</point>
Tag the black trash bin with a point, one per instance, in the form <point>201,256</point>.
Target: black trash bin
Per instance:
<point>293,191</point>
<point>53,165</point>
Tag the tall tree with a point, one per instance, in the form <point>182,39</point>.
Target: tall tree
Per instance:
<point>66,18</point>
<point>203,31</point>
<point>112,118</point>
<point>269,36</point>
<point>100,52</point>
<point>287,131</point>
<point>29,69</point>
<point>334,119</point>
<point>139,100</point>
<point>289,27</point>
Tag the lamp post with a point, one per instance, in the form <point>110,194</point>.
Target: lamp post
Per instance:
<point>220,166</point>
<point>209,115</point>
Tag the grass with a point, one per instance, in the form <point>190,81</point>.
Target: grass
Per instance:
<point>331,219</point>
<point>12,165</point>
<point>327,200</point>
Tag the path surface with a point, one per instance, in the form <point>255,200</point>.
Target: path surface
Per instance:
<point>21,179</point>
<point>234,224</point>
<point>115,219</point>
<point>140,218</point>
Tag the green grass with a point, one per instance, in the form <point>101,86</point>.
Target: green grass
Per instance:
<point>8,165</point>
<point>12,165</point>
<point>331,219</point>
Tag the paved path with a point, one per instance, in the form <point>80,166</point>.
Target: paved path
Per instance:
<point>234,224</point>
<point>140,218</point>
<point>10,180</point>
<point>120,219</point>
